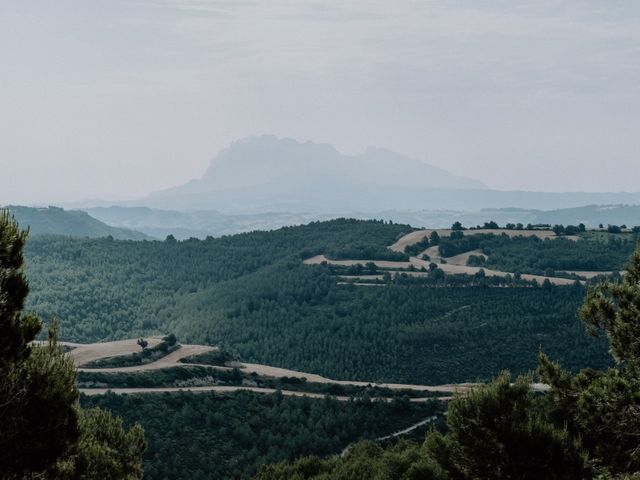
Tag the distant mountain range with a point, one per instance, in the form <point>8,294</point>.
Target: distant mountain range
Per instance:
<point>74,223</point>
<point>267,174</point>
<point>143,223</point>
<point>591,216</point>
<point>264,173</point>
<point>265,182</point>
<point>198,224</point>
<point>201,223</point>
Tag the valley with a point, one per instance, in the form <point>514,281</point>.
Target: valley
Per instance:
<point>338,240</point>
<point>275,325</point>
<point>253,294</point>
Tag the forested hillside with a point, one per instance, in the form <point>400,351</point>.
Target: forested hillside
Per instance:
<point>72,223</point>
<point>203,436</point>
<point>584,427</point>
<point>44,433</point>
<point>251,294</point>
<point>593,252</point>
<point>107,289</point>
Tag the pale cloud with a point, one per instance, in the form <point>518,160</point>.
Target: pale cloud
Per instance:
<point>536,95</point>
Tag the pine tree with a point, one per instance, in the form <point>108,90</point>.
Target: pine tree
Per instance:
<point>105,450</point>
<point>38,415</point>
<point>587,426</point>
<point>497,432</point>
<point>43,430</point>
<point>603,408</point>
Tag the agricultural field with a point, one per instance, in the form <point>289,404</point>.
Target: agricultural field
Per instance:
<point>531,255</point>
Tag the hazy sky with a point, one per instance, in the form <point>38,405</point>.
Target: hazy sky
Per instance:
<point>115,98</point>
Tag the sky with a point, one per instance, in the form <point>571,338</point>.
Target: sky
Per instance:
<point>114,99</point>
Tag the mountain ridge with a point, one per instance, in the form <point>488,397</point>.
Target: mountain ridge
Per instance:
<point>202,223</point>
<point>271,168</point>
<point>76,223</point>
<point>265,173</point>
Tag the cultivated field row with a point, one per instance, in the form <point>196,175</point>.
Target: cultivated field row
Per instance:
<point>453,265</point>
<point>83,354</point>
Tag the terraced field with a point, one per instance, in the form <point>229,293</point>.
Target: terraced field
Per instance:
<point>415,237</point>
<point>453,265</point>
<point>83,354</point>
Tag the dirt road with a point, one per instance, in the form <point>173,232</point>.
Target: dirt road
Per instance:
<point>276,372</point>
<point>446,267</point>
<point>418,235</point>
<point>410,429</point>
<point>95,351</point>
<point>231,389</point>
<point>170,360</point>
<point>318,259</point>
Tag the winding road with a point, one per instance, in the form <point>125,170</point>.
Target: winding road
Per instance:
<point>85,353</point>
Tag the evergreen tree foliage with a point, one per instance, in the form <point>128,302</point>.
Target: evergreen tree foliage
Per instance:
<point>497,432</point>
<point>213,436</point>
<point>104,451</point>
<point>603,407</point>
<point>41,423</point>
<point>38,419</point>
<point>17,329</point>
<point>615,309</point>
<point>587,425</point>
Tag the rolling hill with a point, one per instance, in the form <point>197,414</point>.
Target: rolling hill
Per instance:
<point>159,223</point>
<point>73,223</point>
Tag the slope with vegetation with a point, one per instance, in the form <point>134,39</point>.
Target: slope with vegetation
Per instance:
<point>43,431</point>
<point>536,256</point>
<point>73,223</point>
<point>459,256</point>
<point>585,427</point>
<point>203,436</point>
<point>106,289</point>
<point>252,293</point>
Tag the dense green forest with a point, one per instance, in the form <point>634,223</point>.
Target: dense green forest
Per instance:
<point>592,252</point>
<point>407,333</point>
<point>251,294</point>
<point>202,436</point>
<point>107,289</point>
<point>584,427</point>
<point>532,255</point>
